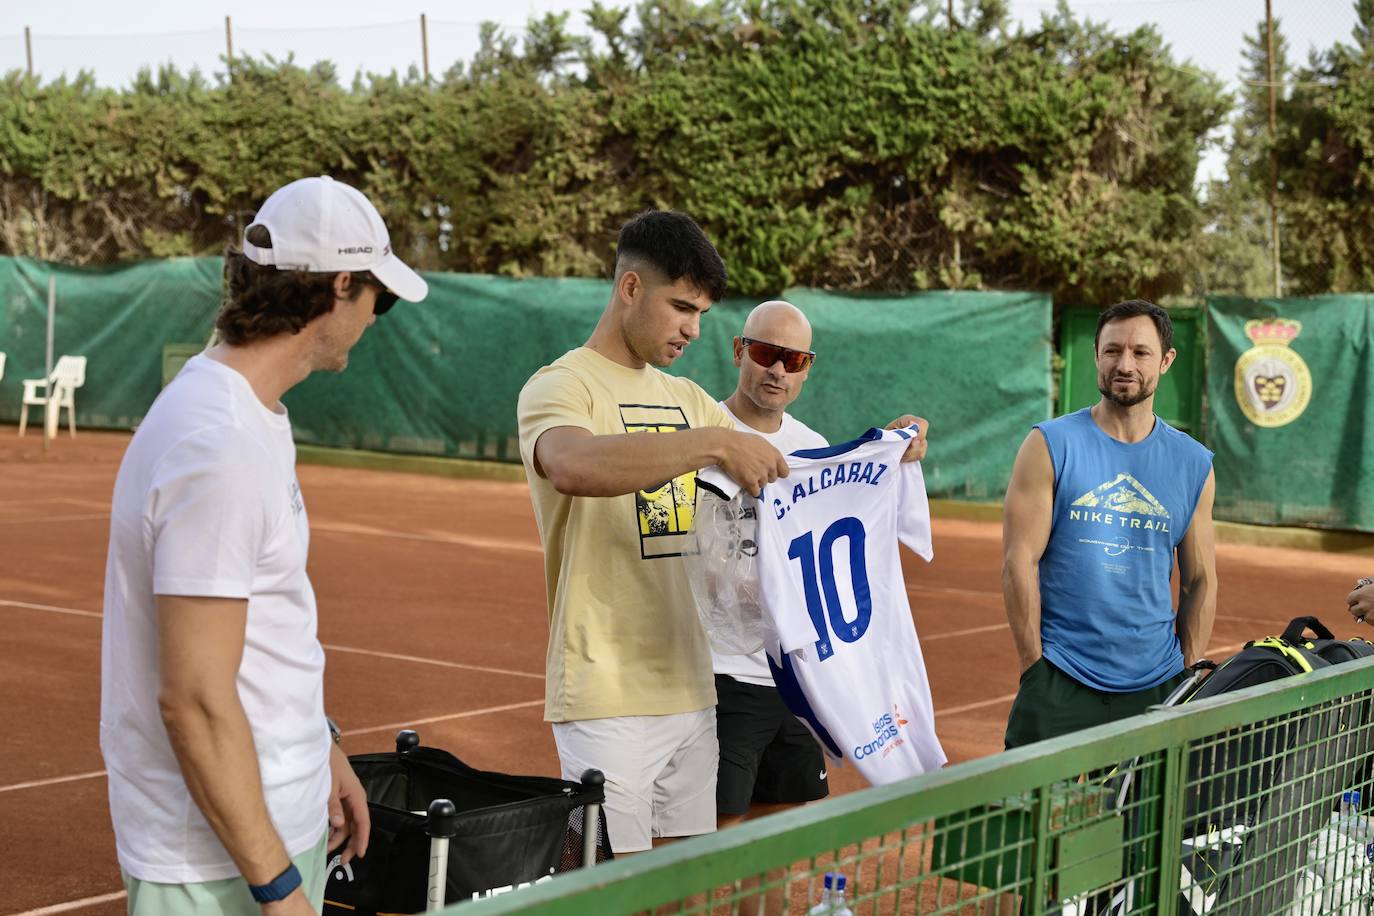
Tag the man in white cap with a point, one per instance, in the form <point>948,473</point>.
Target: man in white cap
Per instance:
<point>226,790</point>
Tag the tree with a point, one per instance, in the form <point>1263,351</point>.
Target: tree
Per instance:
<point>1237,239</point>
<point>848,143</point>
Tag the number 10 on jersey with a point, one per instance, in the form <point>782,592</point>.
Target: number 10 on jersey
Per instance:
<point>822,597</point>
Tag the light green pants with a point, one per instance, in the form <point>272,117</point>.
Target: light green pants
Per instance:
<point>228,896</point>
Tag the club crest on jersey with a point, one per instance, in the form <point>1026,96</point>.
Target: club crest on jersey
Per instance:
<point>869,472</point>
<point>1273,383</point>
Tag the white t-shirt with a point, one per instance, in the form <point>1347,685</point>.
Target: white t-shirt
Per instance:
<point>206,504</point>
<point>846,659</point>
<point>791,436</point>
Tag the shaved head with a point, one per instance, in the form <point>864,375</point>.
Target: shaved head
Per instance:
<point>765,390</point>
<point>779,322</point>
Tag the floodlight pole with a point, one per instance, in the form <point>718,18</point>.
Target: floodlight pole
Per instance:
<point>49,409</point>
<point>28,50</point>
<point>229,45</point>
<point>424,45</point>
<point>1273,151</point>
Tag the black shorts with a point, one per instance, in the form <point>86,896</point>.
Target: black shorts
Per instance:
<point>1050,703</point>
<point>767,757</point>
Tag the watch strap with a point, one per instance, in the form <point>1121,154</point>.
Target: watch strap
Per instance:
<point>279,888</point>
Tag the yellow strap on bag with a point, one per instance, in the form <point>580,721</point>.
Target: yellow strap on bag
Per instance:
<point>1284,648</point>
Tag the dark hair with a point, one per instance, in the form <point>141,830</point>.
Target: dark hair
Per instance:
<point>261,301</point>
<point>674,244</point>
<point>1133,308</point>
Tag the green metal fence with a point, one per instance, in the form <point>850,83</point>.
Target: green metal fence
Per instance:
<point>1223,806</point>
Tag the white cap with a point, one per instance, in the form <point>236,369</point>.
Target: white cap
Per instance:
<point>324,226</point>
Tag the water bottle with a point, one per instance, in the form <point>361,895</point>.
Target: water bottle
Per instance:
<point>1355,825</point>
<point>837,905</point>
<point>1342,856</point>
<point>827,897</point>
<point>1349,808</point>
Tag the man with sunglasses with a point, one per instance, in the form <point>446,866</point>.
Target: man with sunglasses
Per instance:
<point>769,761</point>
<point>226,790</point>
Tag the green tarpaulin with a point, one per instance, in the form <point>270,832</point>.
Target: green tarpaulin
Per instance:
<point>1289,409</point>
<point>441,377</point>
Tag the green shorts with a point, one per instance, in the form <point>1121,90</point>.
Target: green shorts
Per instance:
<point>228,896</point>
<point>1049,703</point>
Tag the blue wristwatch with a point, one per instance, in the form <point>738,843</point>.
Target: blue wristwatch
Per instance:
<point>279,888</point>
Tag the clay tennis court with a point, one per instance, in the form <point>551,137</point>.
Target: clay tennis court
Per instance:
<point>431,597</point>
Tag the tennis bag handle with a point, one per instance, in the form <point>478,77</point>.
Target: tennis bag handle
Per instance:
<point>1299,624</point>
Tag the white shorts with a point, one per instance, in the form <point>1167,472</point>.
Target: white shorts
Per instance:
<point>660,772</point>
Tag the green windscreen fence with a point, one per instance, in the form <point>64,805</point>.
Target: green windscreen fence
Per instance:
<point>119,318</point>
<point>441,377</point>
<point>1290,409</point>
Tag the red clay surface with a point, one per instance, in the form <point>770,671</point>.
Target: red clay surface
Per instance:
<point>431,598</point>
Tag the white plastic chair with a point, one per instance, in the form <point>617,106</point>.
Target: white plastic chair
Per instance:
<point>59,390</point>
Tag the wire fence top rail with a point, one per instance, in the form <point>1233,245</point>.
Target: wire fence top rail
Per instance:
<point>672,872</point>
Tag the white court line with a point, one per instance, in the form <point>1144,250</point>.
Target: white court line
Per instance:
<point>71,500</point>
<point>968,707</point>
<point>391,726</point>
<point>74,904</point>
<point>431,661</point>
<point>35,519</point>
<point>970,632</point>
<point>56,780</point>
<point>51,609</point>
<point>951,590</point>
<point>954,710</point>
<point>408,723</point>
<point>434,537</point>
<point>442,663</point>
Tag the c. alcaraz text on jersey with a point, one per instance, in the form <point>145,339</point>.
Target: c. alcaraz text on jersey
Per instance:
<point>846,658</point>
<point>858,472</point>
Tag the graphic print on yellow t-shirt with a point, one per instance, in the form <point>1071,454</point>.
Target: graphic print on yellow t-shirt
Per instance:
<point>664,512</point>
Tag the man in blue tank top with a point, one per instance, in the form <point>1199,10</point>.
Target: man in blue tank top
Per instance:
<point>1099,504</point>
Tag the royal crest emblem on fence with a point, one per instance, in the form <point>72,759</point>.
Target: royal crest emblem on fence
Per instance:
<point>1273,383</point>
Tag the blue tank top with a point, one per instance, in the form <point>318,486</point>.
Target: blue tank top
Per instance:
<point>1107,615</point>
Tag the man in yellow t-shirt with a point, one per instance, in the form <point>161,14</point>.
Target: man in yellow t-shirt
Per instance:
<point>611,447</point>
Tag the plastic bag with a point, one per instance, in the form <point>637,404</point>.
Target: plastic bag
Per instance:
<point>721,570</point>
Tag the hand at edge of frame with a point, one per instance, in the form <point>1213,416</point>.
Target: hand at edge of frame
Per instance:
<point>349,818</point>
<point>1361,601</point>
<point>917,449</point>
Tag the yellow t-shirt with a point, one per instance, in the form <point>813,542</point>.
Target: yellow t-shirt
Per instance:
<point>624,635</point>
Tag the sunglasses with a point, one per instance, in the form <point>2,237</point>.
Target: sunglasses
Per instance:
<point>385,300</point>
<point>766,354</point>
<point>385,297</point>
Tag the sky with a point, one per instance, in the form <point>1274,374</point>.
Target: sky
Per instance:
<point>115,39</point>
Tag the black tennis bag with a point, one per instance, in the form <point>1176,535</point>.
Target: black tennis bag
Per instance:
<point>1324,643</point>
<point>508,831</point>
<point>1257,793</point>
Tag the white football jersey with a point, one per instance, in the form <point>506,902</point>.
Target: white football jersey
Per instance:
<point>846,659</point>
